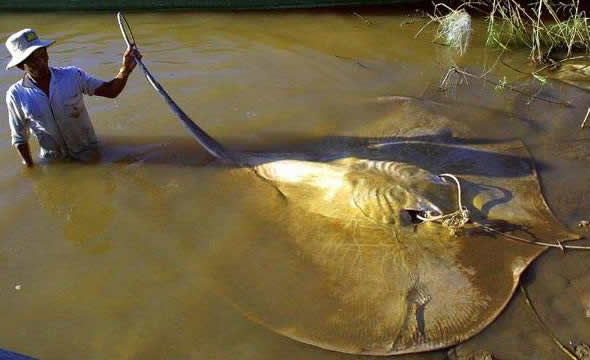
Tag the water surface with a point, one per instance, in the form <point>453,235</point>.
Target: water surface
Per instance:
<point>114,260</point>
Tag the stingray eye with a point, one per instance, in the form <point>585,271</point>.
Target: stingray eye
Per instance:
<point>411,217</point>
<point>419,216</point>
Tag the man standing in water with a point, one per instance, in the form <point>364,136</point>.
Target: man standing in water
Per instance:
<point>49,102</point>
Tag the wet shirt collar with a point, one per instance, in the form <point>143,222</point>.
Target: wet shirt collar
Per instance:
<point>28,81</point>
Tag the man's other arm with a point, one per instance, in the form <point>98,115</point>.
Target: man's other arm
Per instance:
<point>19,129</point>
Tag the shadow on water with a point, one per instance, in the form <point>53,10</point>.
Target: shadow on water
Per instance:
<point>445,149</point>
<point>439,153</point>
<point>85,199</point>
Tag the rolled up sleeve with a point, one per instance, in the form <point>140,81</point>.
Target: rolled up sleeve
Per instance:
<point>19,124</point>
<point>88,83</point>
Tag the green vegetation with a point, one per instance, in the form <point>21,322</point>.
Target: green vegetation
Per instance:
<point>543,26</point>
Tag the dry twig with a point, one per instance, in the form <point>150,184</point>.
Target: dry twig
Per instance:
<point>585,118</point>
<point>457,70</point>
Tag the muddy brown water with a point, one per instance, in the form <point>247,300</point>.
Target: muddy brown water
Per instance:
<point>111,260</point>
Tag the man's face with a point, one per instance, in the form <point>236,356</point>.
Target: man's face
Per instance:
<point>37,63</point>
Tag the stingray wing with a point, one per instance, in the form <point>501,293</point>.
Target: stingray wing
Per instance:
<point>358,288</point>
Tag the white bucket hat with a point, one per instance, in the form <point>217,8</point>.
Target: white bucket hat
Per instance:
<point>22,44</point>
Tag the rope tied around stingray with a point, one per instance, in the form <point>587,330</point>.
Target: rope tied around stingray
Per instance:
<point>452,221</point>
<point>457,219</point>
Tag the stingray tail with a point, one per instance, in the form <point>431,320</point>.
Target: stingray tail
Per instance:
<point>211,145</point>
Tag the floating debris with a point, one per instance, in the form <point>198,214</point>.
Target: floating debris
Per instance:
<point>582,351</point>
<point>584,224</point>
<point>455,29</point>
<point>585,118</point>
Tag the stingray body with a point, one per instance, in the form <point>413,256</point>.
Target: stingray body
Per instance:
<point>387,283</point>
<point>353,188</point>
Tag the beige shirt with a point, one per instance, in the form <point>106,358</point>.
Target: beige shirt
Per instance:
<point>59,121</point>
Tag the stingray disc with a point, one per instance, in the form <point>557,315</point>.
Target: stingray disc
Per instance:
<point>357,287</point>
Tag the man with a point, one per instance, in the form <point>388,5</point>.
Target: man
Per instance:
<point>48,101</point>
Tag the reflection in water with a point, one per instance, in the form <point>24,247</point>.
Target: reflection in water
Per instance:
<point>88,198</point>
<point>83,201</point>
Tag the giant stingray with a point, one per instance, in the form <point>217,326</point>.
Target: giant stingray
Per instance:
<point>367,276</point>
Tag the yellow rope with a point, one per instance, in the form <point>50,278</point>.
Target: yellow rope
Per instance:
<point>458,218</point>
<point>452,221</point>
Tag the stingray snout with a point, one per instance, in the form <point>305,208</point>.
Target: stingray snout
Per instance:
<point>414,217</point>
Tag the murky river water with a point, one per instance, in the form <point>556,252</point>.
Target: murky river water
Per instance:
<point>113,260</point>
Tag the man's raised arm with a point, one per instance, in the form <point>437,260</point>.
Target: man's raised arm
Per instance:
<point>114,87</point>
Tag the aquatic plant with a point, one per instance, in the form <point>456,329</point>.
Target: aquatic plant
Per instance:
<point>542,26</point>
